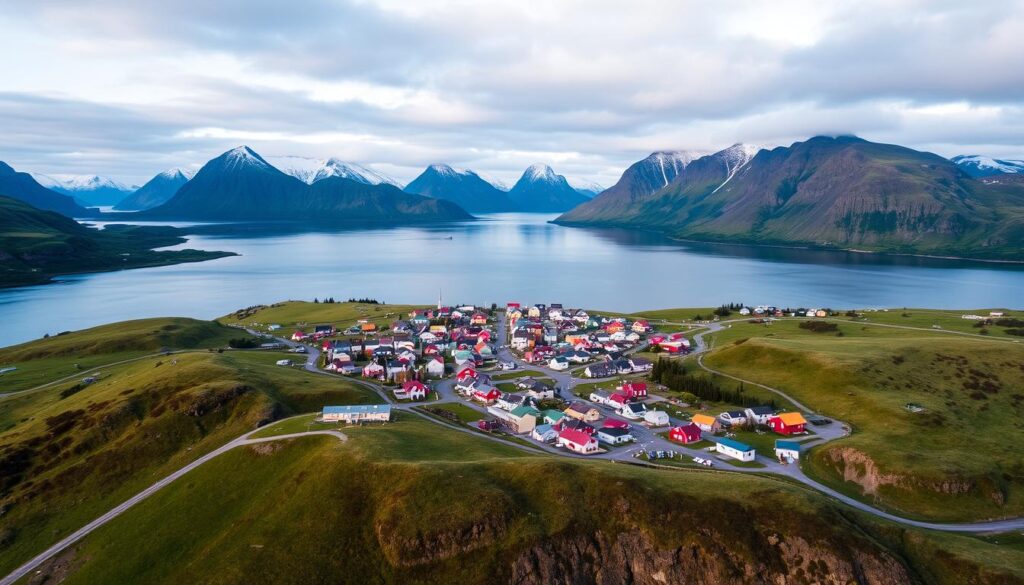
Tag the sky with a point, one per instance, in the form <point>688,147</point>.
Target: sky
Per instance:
<point>128,89</point>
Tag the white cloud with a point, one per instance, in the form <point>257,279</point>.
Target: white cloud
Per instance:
<point>585,85</point>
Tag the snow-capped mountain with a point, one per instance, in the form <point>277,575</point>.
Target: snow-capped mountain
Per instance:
<point>87,189</point>
<point>156,191</point>
<point>585,187</point>
<point>311,170</point>
<point>241,185</point>
<point>983,166</point>
<point>540,189</point>
<point>25,187</point>
<point>464,187</point>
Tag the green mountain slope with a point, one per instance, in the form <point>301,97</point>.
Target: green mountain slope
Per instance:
<point>36,245</point>
<point>833,192</point>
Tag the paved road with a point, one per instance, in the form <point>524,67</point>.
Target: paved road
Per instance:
<point>149,491</point>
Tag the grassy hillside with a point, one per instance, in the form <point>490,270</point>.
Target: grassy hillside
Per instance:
<point>304,315</point>
<point>36,245</point>
<point>416,503</point>
<point>71,451</point>
<point>951,461</point>
<point>70,353</point>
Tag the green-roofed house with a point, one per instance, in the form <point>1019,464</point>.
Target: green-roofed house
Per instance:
<point>787,451</point>
<point>552,416</point>
<point>735,449</point>
<point>524,418</point>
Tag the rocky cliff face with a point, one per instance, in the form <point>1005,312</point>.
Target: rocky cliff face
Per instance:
<point>631,558</point>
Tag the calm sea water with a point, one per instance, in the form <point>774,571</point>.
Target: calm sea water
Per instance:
<point>502,257</point>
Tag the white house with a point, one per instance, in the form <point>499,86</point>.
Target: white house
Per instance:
<point>558,363</point>
<point>733,418</point>
<point>357,413</point>
<point>787,451</point>
<point>760,414</point>
<point>435,367</point>
<point>599,396</point>
<point>614,436</point>
<point>656,418</point>
<point>633,410</point>
<point>735,449</point>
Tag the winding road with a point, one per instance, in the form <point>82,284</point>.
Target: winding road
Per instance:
<point>646,439</point>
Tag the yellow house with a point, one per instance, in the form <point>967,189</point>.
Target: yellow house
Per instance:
<point>583,411</point>
<point>706,422</point>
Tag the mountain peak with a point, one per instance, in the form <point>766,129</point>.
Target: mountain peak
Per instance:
<point>540,172</point>
<point>443,169</point>
<point>977,165</point>
<point>244,156</point>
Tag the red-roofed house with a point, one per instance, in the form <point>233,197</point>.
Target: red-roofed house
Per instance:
<point>412,390</point>
<point>373,370</point>
<point>689,433</point>
<point>787,423</point>
<point>487,395</point>
<point>641,326</point>
<point>465,373</point>
<point>478,319</point>
<point>577,441</point>
<point>617,399</point>
<point>634,389</point>
<point>299,336</point>
<point>614,423</point>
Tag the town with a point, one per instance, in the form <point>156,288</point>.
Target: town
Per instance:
<point>565,380</point>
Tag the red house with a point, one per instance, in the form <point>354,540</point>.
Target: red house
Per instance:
<point>634,389</point>
<point>577,441</point>
<point>486,395</point>
<point>612,423</point>
<point>787,423</point>
<point>689,433</point>
<point>465,373</point>
<point>617,400</point>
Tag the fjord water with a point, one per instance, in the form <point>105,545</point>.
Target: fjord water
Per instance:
<point>499,258</point>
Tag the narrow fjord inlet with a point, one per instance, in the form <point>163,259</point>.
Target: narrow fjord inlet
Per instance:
<point>537,293</point>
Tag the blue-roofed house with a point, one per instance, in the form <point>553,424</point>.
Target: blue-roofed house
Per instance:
<point>357,413</point>
<point>735,449</point>
<point>787,451</point>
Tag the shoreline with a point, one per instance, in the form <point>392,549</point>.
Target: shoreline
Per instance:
<point>809,247</point>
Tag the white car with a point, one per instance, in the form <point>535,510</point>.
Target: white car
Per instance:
<point>506,366</point>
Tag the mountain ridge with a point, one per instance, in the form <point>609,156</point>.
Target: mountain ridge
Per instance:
<point>831,192</point>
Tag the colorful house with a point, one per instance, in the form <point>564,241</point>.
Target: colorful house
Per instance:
<point>735,449</point>
<point>577,441</point>
<point>685,434</point>
<point>788,423</point>
<point>412,390</point>
<point>634,389</point>
<point>486,395</point>
<point>582,411</point>
<point>614,436</point>
<point>357,413</point>
<point>787,451</point>
<point>706,423</point>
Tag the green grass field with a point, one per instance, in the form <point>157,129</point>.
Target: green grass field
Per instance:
<point>949,462</point>
<point>302,315</point>
<point>45,360</point>
<point>69,452</point>
<point>412,502</point>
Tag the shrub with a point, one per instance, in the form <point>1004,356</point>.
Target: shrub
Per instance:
<point>819,326</point>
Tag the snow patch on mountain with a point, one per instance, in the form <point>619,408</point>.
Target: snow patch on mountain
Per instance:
<point>735,158</point>
<point>672,162</point>
<point>311,170</point>
<point>66,182</point>
<point>976,164</point>
<point>541,172</point>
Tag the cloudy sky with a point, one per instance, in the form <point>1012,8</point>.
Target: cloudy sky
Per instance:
<point>128,89</point>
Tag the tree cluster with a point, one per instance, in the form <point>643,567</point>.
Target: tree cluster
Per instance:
<point>673,375</point>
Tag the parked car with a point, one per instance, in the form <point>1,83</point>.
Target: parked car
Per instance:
<point>487,425</point>
<point>506,366</point>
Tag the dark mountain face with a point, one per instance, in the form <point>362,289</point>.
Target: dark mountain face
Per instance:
<point>464,188</point>
<point>641,180</point>
<point>541,190</point>
<point>834,192</point>
<point>23,187</point>
<point>241,185</point>
<point>156,191</point>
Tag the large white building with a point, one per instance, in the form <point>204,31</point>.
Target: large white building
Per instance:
<point>357,413</point>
